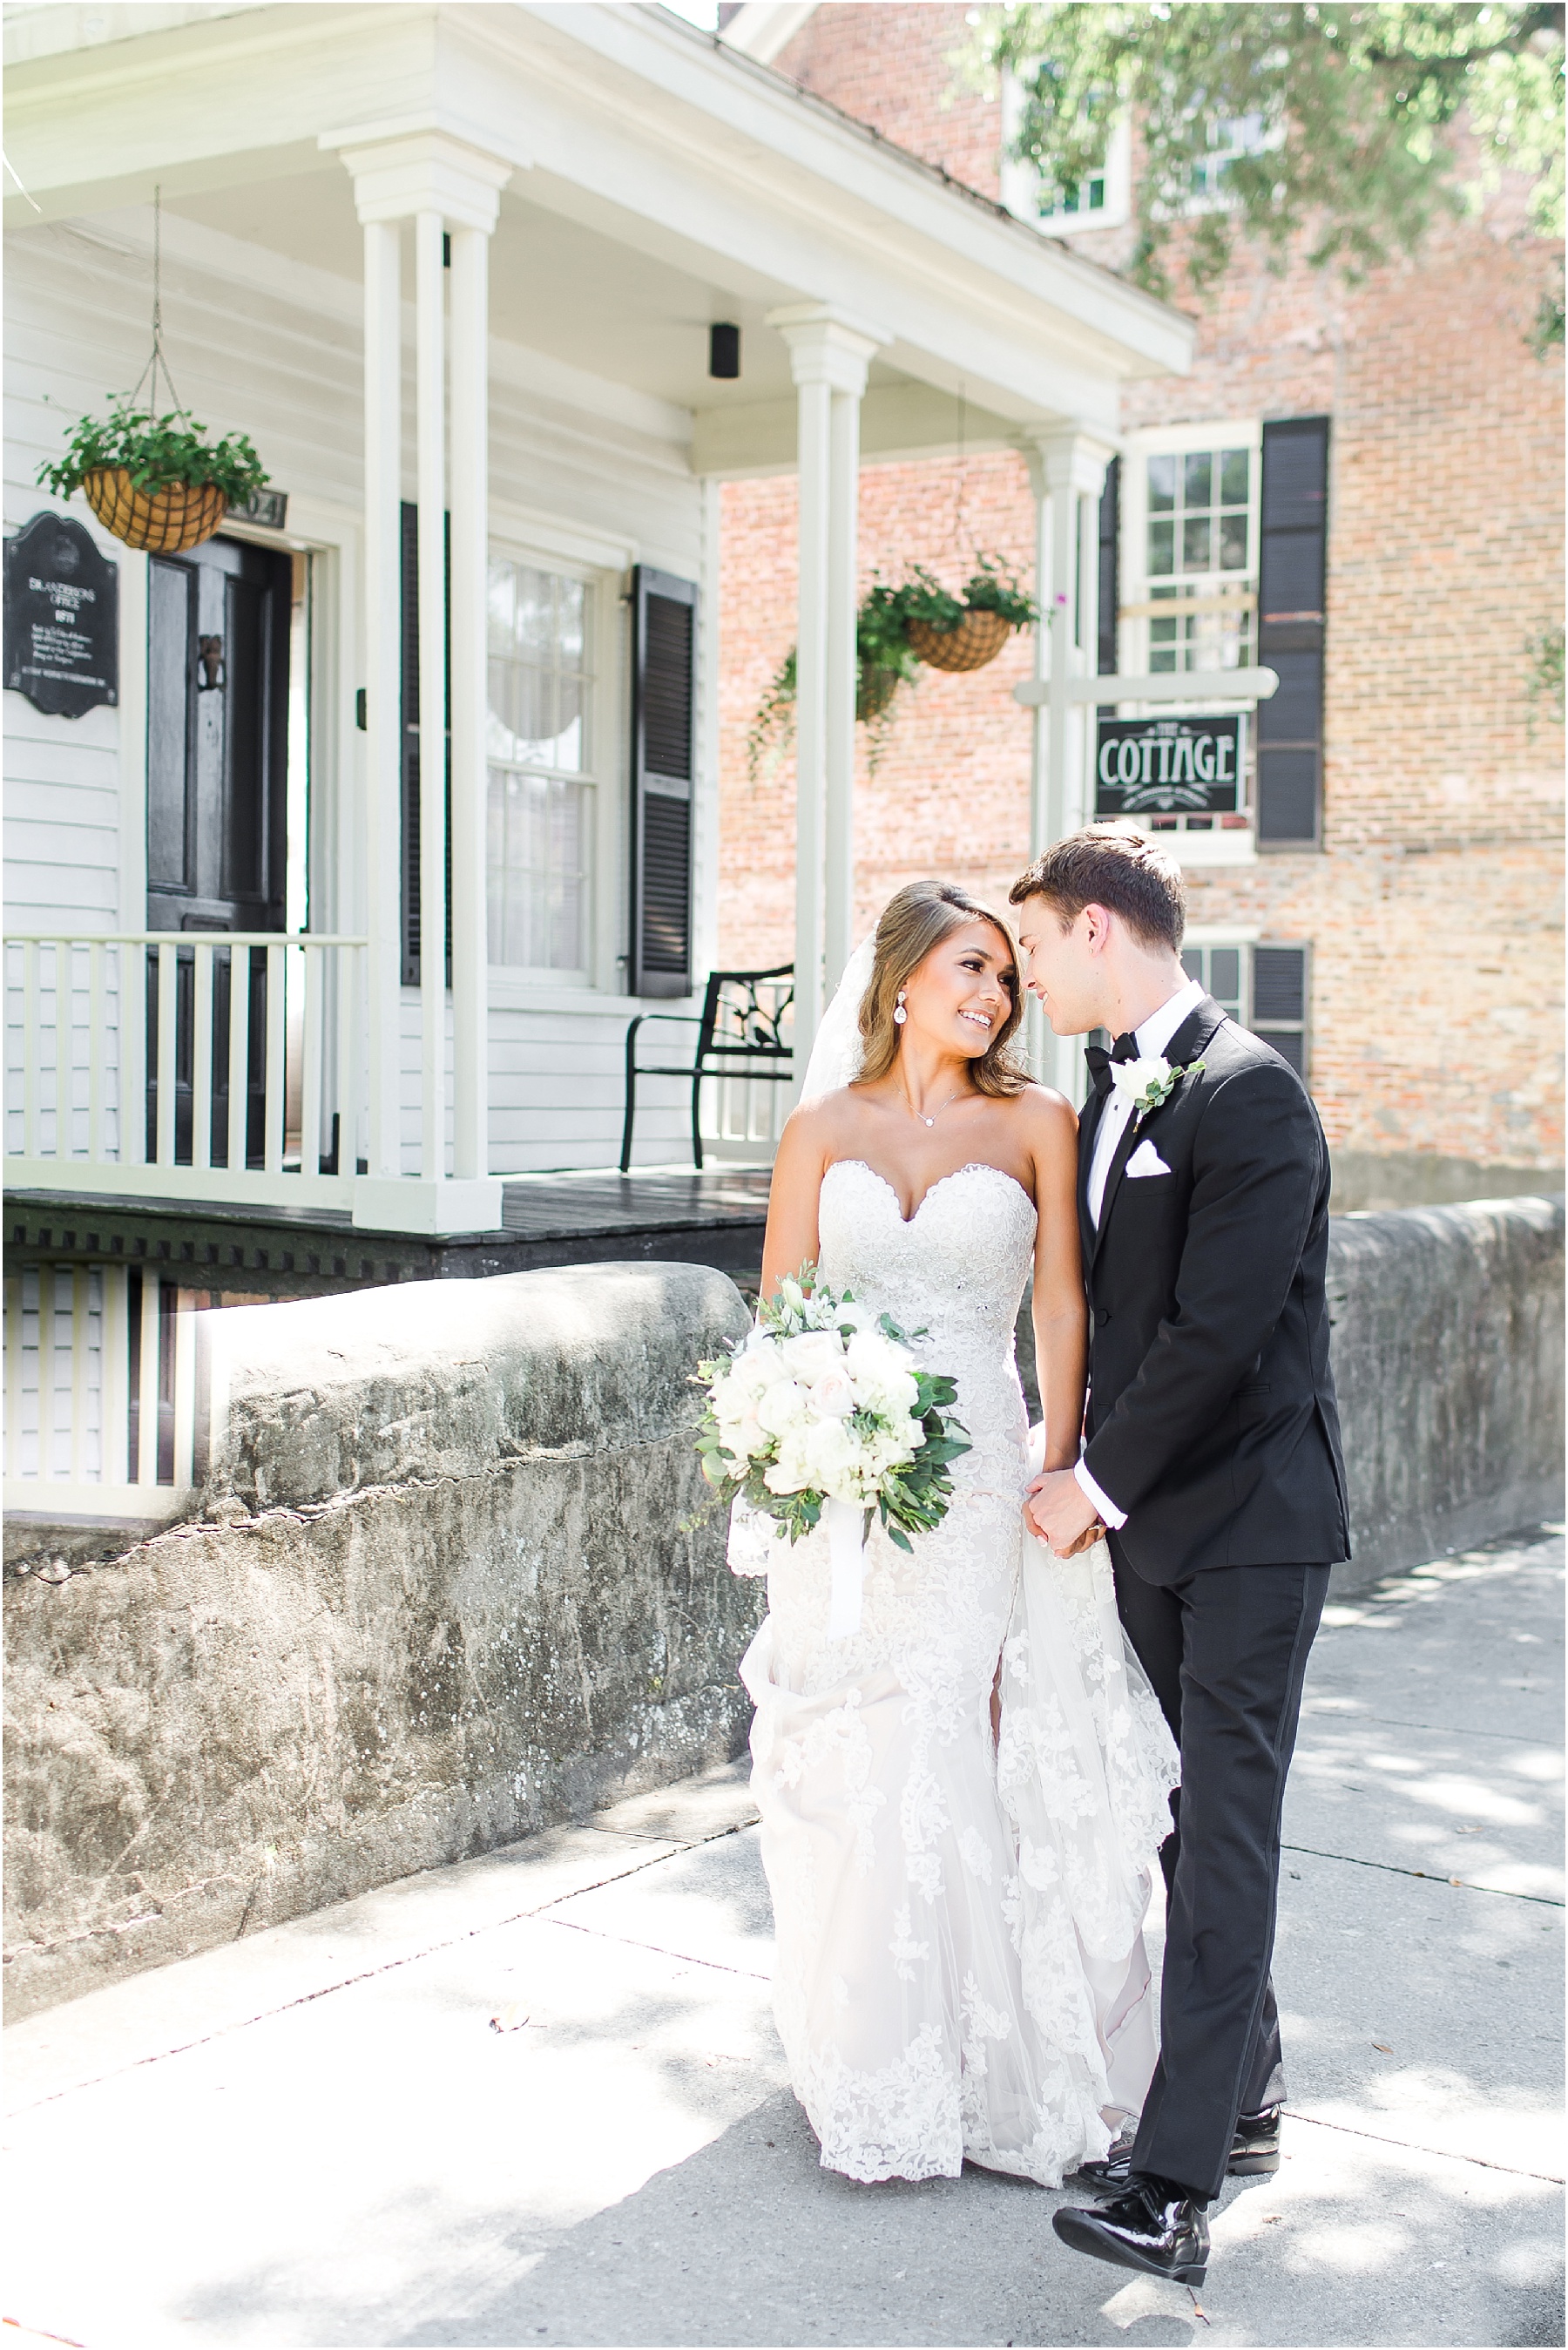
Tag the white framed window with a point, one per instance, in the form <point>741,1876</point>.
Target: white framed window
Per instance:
<point>545,759</point>
<point>1189,515</point>
<point>1102,198</point>
<point>1264,986</point>
<point>1190,505</point>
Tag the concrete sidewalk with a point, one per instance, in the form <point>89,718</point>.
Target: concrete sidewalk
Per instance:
<point>320,2136</point>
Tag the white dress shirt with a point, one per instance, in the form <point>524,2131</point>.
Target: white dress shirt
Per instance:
<point>1152,1035</point>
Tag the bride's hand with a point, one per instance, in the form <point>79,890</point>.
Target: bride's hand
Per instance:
<point>1086,1540</point>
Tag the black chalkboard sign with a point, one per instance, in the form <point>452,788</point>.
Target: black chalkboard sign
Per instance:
<point>1174,764</point>
<point>62,618</point>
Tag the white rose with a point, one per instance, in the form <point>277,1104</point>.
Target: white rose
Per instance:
<point>812,1355</point>
<point>792,1471</point>
<point>833,1457</point>
<point>881,1375</point>
<point>1133,1078</point>
<point>833,1395</point>
<point>756,1369</point>
<point>782,1407</point>
<point>743,1435</point>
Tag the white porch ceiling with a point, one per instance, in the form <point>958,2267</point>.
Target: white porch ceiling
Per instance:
<point>662,183</point>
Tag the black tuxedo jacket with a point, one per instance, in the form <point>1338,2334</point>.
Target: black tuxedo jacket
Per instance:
<point>1211,1417</point>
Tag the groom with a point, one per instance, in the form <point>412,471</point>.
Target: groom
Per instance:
<point>1212,1455</point>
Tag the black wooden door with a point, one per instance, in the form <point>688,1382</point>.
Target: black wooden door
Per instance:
<point>217,769</point>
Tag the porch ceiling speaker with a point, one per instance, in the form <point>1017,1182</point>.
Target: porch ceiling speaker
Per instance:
<point>724,352</point>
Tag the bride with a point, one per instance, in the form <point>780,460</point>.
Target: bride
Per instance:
<point>961,1802</point>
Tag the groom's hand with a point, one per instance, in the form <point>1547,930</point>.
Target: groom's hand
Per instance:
<point>1059,1511</point>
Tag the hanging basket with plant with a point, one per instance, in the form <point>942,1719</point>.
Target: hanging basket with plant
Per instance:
<point>155,481</point>
<point>898,629</point>
<point>964,632</point>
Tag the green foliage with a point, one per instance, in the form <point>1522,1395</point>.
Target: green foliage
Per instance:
<point>886,658</point>
<point>1546,335</point>
<point>157,450</point>
<point>1543,674</point>
<point>1351,103</point>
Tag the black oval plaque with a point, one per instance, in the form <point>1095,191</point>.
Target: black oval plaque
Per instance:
<point>62,618</point>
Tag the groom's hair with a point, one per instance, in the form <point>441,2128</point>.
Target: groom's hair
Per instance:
<point>1105,866</point>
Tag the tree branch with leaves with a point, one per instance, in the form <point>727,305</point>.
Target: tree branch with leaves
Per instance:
<point>1351,110</point>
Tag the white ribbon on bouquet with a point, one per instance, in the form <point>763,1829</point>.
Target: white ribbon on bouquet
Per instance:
<point>846,1552</point>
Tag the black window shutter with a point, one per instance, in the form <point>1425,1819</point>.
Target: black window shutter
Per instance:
<point>1291,572</point>
<point>1279,1001</point>
<point>409,614</point>
<point>1110,568</point>
<point>663,732</point>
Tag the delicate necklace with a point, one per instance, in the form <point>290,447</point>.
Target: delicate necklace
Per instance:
<point>921,1114</point>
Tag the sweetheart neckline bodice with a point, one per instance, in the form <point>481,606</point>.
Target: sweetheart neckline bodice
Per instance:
<point>969,1167</point>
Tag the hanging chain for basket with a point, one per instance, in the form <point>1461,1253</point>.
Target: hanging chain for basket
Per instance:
<point>148,375</point>
<point>179,514</point>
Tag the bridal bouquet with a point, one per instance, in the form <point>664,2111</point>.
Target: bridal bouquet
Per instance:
<point>824,1402</point>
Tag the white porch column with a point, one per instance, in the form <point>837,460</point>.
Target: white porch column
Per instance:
<point>1067,474</point>
<point>384,476</point>
<point>447,188</point>
<point>829,355</point>
<point>429,435</point>
<point>470,639</point>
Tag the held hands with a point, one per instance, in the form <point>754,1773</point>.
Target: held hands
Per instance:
<point>1057,1509</point>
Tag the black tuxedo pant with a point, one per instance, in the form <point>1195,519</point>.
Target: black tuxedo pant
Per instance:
<point>1226,1651</point>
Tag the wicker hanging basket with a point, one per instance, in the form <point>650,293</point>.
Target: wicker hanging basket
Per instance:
<point>977,639</point>
<point>162,522</point>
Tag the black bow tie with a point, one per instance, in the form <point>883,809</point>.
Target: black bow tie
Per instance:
<point>1099,1060</point>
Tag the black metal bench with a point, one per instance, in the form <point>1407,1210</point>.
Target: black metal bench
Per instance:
<point>742,1020</point>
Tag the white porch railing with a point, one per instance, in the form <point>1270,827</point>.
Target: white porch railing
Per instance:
<point>224,1065</point>
<point>101,1393</point>
<point>743,1119</point>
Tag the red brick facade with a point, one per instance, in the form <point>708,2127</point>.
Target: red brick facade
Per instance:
<point>1433,909</point>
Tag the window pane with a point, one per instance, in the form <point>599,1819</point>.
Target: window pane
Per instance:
<point>537,877</point>
<point>1225,975</point>
<point>1199,475</point>
<point>538,829</point>
<point>1235,466</point>
<point>571,598</point>
<point>1195,535</point>
<point>1161,484</point>
<point>502,621</point>
<point>1161,546</point>
<point>536,636</point>
<point>1233,542</point>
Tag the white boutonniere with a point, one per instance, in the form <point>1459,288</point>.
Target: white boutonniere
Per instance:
<point>1147,1084</point>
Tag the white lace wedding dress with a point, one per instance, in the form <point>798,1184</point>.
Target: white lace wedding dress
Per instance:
<point>961,1966</point>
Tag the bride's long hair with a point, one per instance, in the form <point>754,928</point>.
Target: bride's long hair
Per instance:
<point>915,919</point>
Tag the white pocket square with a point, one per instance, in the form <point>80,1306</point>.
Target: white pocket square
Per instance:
<point>1147,1160</point>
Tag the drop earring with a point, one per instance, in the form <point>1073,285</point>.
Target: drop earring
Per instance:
<point>899,1015</point>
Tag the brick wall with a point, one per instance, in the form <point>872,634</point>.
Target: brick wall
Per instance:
<point>1433,910</point>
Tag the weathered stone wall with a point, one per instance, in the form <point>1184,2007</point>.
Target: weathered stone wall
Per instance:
<point>439,1594</point>
<point>1448,1359</point>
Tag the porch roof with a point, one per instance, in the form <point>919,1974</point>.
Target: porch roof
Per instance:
<point>661,182</point>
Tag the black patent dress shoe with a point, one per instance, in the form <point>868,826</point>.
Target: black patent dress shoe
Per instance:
<point>1254,2154</point>
<point>1256,2148</point>
<point>1156,2226</point>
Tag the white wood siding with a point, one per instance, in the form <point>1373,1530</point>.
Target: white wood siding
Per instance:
<point>274,349</point>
